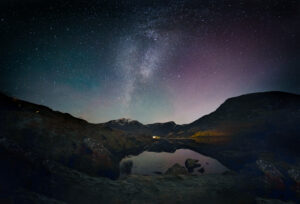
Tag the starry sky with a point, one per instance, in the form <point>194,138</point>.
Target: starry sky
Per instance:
<point>153,61</point>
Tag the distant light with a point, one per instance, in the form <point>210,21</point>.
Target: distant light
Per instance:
<point>37,111</point>
<point>155,137</point>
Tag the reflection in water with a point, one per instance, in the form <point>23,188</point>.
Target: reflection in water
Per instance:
<point>150,163</point>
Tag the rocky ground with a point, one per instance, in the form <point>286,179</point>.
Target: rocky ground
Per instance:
<point>30,179</point>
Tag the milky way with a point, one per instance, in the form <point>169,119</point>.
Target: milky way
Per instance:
<point>153,62</point>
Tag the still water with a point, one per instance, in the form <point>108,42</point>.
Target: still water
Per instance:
<point>151,163</point>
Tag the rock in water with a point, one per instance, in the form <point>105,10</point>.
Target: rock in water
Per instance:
<point>176,169</point>
<point>126,167</point>
<point>190,164</point>
<point>158,172</point>
<point>201,170</point>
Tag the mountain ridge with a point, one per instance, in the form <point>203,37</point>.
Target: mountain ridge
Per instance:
<point>257,103</point>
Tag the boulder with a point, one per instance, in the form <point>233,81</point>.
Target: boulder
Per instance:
<point>176,169</point>
<point>295,175</point>
<point>202,170</point>
<point>273,176</point>
<point>126,167</point>
<point>158,172</point>
<point>191,164</point>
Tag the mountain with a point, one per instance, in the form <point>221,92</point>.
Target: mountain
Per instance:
<point>265,112</point>
<point>163,129</point>
<point>128,125</point>
<point>133,126</point>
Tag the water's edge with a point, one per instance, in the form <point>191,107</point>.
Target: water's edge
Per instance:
<point>151,163</point>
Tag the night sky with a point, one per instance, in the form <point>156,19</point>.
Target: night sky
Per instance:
<point>153,62</point>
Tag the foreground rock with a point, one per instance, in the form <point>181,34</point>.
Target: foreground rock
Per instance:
<point>202,170</point>
<point>295,175</point>
<point>191,164</point>
<point>176,169</point>
<point>273,176</point>
<point>126,167</point>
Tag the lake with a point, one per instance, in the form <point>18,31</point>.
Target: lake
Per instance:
<point>151,163</point>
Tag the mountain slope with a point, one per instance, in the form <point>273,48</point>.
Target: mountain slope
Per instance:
<point>133,126</point>
<point>93,149</point>
<point>267,110</point>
